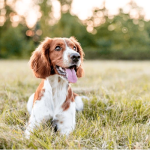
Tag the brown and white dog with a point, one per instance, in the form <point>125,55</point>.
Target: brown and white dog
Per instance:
<point>58,61</point>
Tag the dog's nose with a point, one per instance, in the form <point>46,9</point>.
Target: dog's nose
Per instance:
<point>75,57</point>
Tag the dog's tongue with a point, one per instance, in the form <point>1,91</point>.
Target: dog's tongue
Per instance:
<point>71,75</point>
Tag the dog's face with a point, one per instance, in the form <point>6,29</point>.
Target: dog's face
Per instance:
<point>62,56</point>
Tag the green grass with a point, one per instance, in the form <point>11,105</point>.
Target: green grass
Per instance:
<point>116,116</point>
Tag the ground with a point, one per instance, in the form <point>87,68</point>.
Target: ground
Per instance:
<point>115,116</point>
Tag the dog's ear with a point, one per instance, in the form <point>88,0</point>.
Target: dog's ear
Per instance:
<point>80,71</point>
<point>40,61</point>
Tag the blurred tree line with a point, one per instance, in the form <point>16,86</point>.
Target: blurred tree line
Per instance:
<point>101,36</point>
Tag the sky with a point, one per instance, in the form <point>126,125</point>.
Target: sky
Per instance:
<point>82,8</point>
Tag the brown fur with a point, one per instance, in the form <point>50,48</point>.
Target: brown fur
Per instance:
<point>74,95</point>
<point>69,98</point>
<point>39,92</point>
<point>39,60</point>
<point>45,58</point>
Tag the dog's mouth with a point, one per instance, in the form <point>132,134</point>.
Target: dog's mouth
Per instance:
<point>68,73</point>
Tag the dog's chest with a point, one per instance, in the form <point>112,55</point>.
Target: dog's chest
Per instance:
<point>59,89</point>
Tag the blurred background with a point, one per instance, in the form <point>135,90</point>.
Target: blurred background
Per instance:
<point>106,29</point>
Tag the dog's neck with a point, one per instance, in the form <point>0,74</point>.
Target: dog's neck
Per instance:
<point>56,81</point>
<point>59,89</point>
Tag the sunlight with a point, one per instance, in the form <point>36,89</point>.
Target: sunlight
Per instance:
<point>26,8</point>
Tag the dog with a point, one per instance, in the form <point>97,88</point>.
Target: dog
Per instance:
<point>58,62</point>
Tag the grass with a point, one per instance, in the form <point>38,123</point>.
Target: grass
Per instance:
<point>116,116</point>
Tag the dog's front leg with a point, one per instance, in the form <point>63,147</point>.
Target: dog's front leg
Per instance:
<point>40,113</point>
<point>65,122</point>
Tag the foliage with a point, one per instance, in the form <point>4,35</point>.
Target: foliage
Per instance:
<point>102,36</point>
<point>13,47</point>
<point>46,7</point>
<point>69,26</point>
<point>13,41</point>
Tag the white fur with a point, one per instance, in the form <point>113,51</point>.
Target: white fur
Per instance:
<point>79,103</point>
<point>30,103</point>
<point>66,120</point>
<point>85,97</point>
<point>50,106</point>
<point>66,54</point>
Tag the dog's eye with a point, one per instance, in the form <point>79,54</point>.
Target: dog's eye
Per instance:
<point>74,48</point>
<point>57,48</point>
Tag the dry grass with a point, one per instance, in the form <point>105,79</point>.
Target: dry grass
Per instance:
<point>116,116</point>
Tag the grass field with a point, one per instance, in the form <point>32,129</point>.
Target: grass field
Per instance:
<point>116,116</point>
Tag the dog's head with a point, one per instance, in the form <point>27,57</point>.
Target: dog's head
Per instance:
<point>62,56</point>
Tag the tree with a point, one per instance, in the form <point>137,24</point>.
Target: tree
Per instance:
<point>65,6</point>
<point>69,26</point>
<point>44,22</point>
